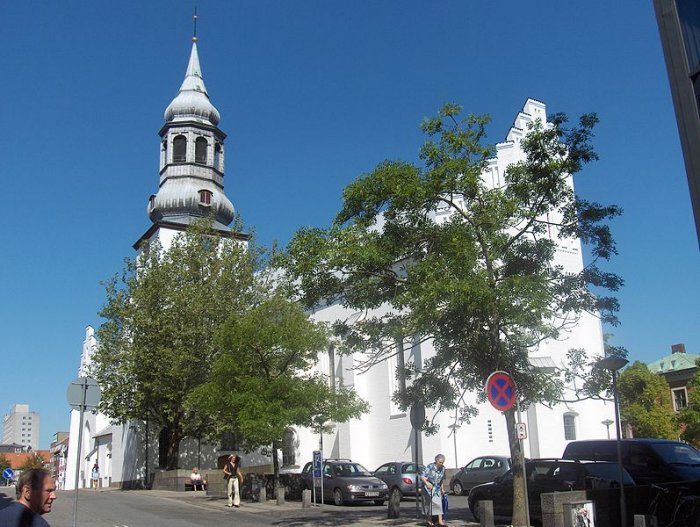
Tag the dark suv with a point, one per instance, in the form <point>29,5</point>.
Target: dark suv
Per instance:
<point>346,482</point>
<point>543,476</point>
<point>649,461</point>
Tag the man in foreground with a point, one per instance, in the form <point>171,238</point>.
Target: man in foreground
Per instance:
<point>35,494</point>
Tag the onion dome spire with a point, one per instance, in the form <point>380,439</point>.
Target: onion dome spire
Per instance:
<point>192,100</point>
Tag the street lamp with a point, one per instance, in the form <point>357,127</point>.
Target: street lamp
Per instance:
<point>614,364</point>
<point>607,424</point>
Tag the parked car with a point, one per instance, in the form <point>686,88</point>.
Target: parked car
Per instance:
<point>479,470</point>
<point>399,475</point>
<point>543,476</point>
<point>649,461</point>
<point>346,482</point>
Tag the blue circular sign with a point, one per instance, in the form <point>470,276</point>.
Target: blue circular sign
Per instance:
<point>8,473</point>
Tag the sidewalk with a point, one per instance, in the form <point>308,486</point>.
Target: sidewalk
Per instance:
<point>331,515</point>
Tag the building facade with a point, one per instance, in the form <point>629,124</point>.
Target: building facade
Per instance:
<point>678,369</point>
<point>21,426</point>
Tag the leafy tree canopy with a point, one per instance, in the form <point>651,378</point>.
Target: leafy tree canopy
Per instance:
<point>260,383</point>
<point>33,460</point>
<point>645,402</point>
<point>157,343</point>
<point>462,263</point>
<point>689,417</point>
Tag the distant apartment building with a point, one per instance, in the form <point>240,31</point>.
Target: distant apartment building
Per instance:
<point>21,426</point>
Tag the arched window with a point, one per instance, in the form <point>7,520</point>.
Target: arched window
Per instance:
<point>570,426</point>
<point>205,197</point>
<point>179,149</point>
<point>200,151</point>
<point>152,203</point>
<point>289,448</point>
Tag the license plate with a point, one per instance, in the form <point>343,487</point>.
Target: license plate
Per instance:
<point>371,494</point>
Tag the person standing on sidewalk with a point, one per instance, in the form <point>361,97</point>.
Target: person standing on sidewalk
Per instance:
<point>232,475</point>
<point>433,478</point>
<point>36,492</point>
<point>95,476</point>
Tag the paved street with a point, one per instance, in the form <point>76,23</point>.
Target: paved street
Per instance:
<point>114,508</point>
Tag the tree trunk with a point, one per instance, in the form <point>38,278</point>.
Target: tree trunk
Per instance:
<point>518,482</point>
<point>275,465</point>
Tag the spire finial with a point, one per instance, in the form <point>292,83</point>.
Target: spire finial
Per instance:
<point>194,22</point>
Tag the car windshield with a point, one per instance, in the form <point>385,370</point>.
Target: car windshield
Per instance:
<point>677,453</point>
<point>350,470</point>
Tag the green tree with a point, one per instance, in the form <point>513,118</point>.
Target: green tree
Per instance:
<point>689,417</point>
<point>4,463</point>
<point>157,343</point>
<point>645,402</point>
<point>33,460</point>
<point>481,282</point>
<point>260,383</point>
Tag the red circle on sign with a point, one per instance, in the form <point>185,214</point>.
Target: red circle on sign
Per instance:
<point>500,391</point>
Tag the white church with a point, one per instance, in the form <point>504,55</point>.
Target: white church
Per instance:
<point>191,185</point>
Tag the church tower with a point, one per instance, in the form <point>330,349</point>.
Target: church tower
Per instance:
<point>191,164</point>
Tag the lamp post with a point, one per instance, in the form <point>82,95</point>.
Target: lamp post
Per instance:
<point>606,423</point>
<point>613,365</point>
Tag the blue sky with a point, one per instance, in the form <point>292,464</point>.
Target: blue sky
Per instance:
<point>312,94</point>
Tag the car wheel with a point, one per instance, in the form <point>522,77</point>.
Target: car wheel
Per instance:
<point>457,488</point>
<point>338,497</point>
<point>379,502</point>
<point>475,510</point>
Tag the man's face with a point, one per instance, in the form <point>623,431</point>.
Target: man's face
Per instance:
<point>48,494</point>
<point>41,503</point>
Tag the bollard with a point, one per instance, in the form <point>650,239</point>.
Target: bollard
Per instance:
<point>306,499</point>
<point>394,504</point>
<point>486,513</point>
<point>280,495</point>
<point>262,496</point>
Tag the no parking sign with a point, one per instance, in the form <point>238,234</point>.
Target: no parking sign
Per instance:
<point>500,391</point>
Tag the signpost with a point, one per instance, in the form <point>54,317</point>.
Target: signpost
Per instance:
<point>9,475</point>
<point>83,393</point>
<point>417,420</point>
<point>502,394</point>
<point>318,473</point>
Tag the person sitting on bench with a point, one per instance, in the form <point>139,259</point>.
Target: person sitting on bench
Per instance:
<point>196,479</point>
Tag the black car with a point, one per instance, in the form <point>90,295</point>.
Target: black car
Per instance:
<point>346,482</point>
<point>479,470</point>
<point>649,461</point>
<point>400,475</point>
<point>543,476</point>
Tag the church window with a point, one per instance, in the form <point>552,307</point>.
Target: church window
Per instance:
<point>152,202</point>
<point>205,197</point>
<point>200,151</point>
<point>179,149</point>
<point>289,446</point>
<point>569,426</point>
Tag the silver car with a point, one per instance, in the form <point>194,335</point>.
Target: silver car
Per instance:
<point>479,470</point>
<point>399,475</point>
